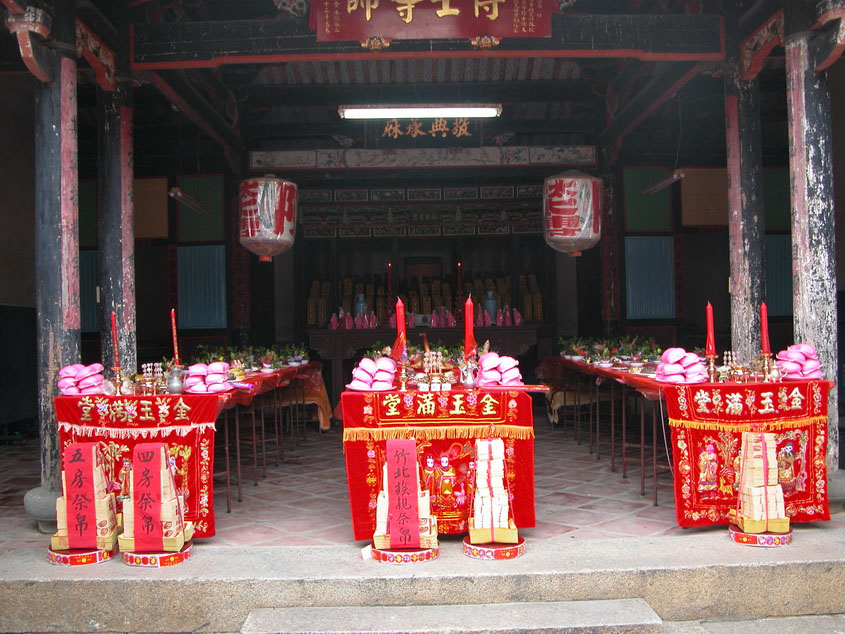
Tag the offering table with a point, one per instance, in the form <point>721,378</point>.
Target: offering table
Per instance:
<point>186,422</point>
<point>707,421</point>
<point>445,426</point>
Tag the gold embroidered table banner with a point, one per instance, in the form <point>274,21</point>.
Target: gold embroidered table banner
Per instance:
<point>707,421</point>
<point>445,426</point>
<point>185,422</point>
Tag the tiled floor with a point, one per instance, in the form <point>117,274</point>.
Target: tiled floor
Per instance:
<point>304,500</point>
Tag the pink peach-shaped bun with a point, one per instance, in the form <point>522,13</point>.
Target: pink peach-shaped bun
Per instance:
<point>384,375</point>
<point>198,388</point>
<point>810,365</point>
<point>488,360</point>
<point>789,366</point>
<point>510,375</point>
<point>688,359</point>
<point>369,365</point>
<point>214,378</point>
<point>671,378</point>
<point>193,380</point>
<point>198,369</point>
<point>506,363</point>
<point>513,382</point>
<point>358,385</point>
<point>672,355</point>
<point>793,375</point>
<point>67,381</point>
<point>491,375</point>
<point>89,370</point>
<point>696,378</point>
<point>218,367</point>
<point>804,348</point>
<point>815,374</point>
<point>695,368</point>
<point>91,381</point>
<point>671,368</point>
<point>386,363</point>
<point>95,389</point>
<point>382,385</point>
<point>70,370</point>
<point>70,390</point>
<point>219,387</point>
<point>361,374</point>
<point>487,382</point>
<point>791,355</point>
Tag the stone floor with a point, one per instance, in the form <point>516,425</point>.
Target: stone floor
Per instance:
<point>304,500</point>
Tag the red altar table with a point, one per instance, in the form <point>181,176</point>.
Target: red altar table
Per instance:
<point>707,421</point>
<point>445,426</point>
<point>184,421</point>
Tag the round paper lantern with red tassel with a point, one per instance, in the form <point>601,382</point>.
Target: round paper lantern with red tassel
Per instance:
<point>268,216</point>
<point>572,203</point>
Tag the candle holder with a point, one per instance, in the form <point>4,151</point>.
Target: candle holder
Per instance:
<point>712,373</point>
<point>766,366</point>
<point>403,377</point>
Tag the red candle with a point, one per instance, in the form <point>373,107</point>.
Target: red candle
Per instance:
<point>710,347</point>
<point>175,340</point>
<point>469,338</point>
<point>764,329</point>
<point>460,280</point>
<point>399,344</point>
<point>114,345</point>
<point>389,278</point>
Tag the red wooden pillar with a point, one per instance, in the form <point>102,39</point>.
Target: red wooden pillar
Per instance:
<point>609,248</point>
<point>746,227</point>
<point>116,234</point>
<point>56,248</point>
<point>811,197</point>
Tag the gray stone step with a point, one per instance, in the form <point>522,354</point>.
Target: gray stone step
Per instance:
<point>623,616</point>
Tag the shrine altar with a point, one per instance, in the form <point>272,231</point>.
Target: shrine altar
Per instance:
<point>445,426</point>
<point>184,421</point>
<point>707,421</point>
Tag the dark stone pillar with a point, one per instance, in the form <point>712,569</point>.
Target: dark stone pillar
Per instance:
<point>117,217</point>
<point>811,194</point>
<point>56,251</point>
<point>746,226</point>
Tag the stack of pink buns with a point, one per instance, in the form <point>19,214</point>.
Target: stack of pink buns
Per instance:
<point>207,379</point>
<point>377,375</point>
<point>81,379</point>
<point>800,361</point>
<point>494,370</point>
<point>679,366</point>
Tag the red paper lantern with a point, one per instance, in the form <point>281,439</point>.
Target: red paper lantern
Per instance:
<point>268,216</point>
<point>572,203</point>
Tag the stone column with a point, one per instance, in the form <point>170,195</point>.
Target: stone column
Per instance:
<point>746,226</point>
<point>56,251</point>
<point>811,198</point>
<point>116,236</point>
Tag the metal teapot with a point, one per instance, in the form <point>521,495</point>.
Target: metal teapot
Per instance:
<point>468,373</point>
<point>174,380</point>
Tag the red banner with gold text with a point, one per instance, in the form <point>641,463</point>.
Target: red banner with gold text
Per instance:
<point>707,421</point>
<point>350,20</point>
<point>80,495</point>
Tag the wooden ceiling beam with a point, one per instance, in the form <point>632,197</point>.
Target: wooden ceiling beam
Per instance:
<point>466,91</point>
<point>210,44</point>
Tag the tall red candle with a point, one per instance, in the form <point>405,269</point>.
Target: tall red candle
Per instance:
<point>400,343</point>
<point>710,347</point>
<point>175,340</point>
<point>469,338</point>
<point>764,329</point>
<point>114,345</point>
<point>460,280</point>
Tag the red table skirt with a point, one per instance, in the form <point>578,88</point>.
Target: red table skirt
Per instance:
<point>185,422</point>
<point>707,421</point>
<point>445,426</point>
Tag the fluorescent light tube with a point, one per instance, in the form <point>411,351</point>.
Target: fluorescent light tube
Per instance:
<point>419,111</point>
<point>664,182</point>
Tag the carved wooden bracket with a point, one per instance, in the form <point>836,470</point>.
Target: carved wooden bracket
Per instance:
<point>31,26</point>
<point>756,48</point>
<point>101,58</point>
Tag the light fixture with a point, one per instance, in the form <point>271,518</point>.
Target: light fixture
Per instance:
<point>671,177</point>
<point>420,111</point>
<point>184,198</point>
